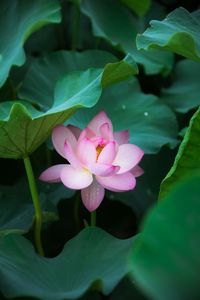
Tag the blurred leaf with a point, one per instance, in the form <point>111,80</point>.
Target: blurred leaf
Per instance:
<point>92,257</point>
<point>187,159</point>
<point>150,122</point>
<point>178,32</point>
<point>16,207</point>
<point>113,22</point>
<point>23,128</point>
<point>184,93</point>
<point>39,84</point>
<point>140,7</point>
<point>165,258</point>
<point>18,20</point>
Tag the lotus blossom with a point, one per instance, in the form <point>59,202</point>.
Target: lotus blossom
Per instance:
<point>98,159</point>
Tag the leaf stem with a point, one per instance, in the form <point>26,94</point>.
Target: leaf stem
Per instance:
<point>93,218</point>
<point>36,204</point>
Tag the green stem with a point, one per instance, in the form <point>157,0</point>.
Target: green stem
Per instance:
<point>76,210</point>
<point>93,218</point>
<point>36,204</point>
<point>75,26</point>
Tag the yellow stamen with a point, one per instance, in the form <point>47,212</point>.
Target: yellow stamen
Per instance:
<point>99,148</point>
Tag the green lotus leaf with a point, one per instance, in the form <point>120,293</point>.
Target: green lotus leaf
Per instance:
<point>17,21</point>
<point>39,84</point>
<point>151,123</point>
<point>23,128</point>
<point>102,262</point>
<point>187,159</point>
<point>137,6</point>
<point>113,22</point>
<point>165,258</point>
<point>184,92</point>
<point>178,32</point>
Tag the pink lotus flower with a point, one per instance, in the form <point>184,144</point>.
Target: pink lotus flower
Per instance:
<point>98,159</point>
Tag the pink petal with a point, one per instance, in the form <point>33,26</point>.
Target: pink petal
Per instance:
<point>86,151</point>
<point>121,137</point>
<point>108,153</point>
<point>128,156</point>
<point>103,169</point>
<point>118,183</point>
<point>137,171</point>
<point>75,178</point>
<point>106,132</point>
<point>52,174</point>
<point>75,130</point>
<point>86,133</point>
<point>71,156</point>
<point>92,196</point>
<point>99,120</point>
<point>60,134</point>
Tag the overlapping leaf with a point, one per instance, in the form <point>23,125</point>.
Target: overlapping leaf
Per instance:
<point>39,84</point>
<point>184,93</point>
<point>178,32</point>
<point>23,128</point>
<point>165,261</point>
<point>17,22</point>
<point>92,256</point>
<point>113,22</point>
<point>140,7</point>
<point>150,122</point>
<point>187,159</point>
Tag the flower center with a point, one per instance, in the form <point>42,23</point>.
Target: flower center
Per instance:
<point>99,148</point>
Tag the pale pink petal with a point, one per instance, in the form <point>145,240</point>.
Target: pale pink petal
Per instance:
<point>108,153</point>
<point>86,133</point>
<point>52,174</point>
<point>127,157</point>
<point>92,196</point>
<point>86,151</point>
<point>75,130</point>
<point>71,156</point>
<point>103,169</point>
<point>121,137</point>
<point>118,183</point>
<point>60,134</point>
<point>106,132</point>
<point>97,121</point>
<point>75,179</point>
<point>98,141</point>
<point>137,171</point>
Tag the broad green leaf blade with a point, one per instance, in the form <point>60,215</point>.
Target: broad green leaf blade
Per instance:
<point>165,259</point>
<point>187,159</point>
<point>113,22</point>
<point>92,256</point>
<point>140,7</point>
<point>178,32</point>
<point>39,84</point>
<point>150,122</point>
<point>184,93</point>
<point>18,19</point>
<point>23,128</point>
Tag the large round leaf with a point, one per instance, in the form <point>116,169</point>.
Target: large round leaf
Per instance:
<point>178,32</point>
<point>39,84</point>
<point>18,19</point>
<point>187,159</point>
<point>165,258</point>
<point>150,122</point>
<point>113,22</point>
<point>140,7</point>
<point>184,93</point>
<point>23,128</point>
<point>92,256</point>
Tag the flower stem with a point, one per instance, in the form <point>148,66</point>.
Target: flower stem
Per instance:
<point>75,26</point>
<point>93,218</point>
<point>36,204</point>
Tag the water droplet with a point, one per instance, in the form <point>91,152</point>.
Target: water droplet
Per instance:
<point>146,113</point>
<point>123,106</point>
